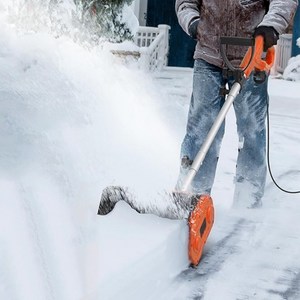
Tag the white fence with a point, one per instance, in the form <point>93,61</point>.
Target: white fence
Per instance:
<point>283,52</point>
<point>152,47</point>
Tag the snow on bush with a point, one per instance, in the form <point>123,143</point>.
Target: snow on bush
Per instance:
<point>292,71</point>
<point>129,18</point>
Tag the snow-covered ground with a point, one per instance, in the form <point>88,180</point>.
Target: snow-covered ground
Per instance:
<point>72,121</point>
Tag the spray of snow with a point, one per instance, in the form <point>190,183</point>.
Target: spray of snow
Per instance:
<point>72,121</point>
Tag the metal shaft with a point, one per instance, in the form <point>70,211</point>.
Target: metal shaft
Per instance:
<point>210,137</point>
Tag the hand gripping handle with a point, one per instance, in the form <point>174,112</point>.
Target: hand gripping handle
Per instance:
<point>254,61</point>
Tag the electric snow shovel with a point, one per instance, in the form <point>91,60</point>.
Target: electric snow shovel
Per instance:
<point>200,208</point>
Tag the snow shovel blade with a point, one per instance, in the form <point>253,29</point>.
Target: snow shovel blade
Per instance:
<point>200,223</point>
<point>200,219</point>
<point>178,208</point>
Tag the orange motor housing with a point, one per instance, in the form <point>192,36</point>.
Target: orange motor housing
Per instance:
<point>200,222</point>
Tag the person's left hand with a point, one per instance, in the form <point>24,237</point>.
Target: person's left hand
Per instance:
<point>270,35</point>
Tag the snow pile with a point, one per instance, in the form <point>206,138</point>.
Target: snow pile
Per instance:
<point>292,71</point>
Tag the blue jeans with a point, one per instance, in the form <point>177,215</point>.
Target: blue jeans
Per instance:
<point>250,108</point>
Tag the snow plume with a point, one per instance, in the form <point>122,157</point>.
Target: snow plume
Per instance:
<point>47,15</point>
<point>84,21</point>
<point>72,121</point>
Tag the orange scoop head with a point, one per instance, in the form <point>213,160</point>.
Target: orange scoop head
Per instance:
<point>201,220</point>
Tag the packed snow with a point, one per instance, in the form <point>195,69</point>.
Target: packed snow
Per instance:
<point>73,121</point>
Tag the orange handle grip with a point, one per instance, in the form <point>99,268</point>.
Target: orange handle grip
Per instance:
<point>257,62</point>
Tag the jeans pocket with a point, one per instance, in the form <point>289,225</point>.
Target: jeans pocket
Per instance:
<point>201,66</point>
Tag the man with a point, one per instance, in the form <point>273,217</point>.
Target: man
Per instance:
<point>206,21</point>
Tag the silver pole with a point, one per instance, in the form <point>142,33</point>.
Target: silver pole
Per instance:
<point>210,137</point>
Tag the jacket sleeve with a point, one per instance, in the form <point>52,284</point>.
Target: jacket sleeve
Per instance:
<point>280,14</point>
<point>187,11</point>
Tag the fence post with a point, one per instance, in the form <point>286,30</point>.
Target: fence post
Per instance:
<point>283,52</point>
<point>296,33</point>
<point>164,30</point>
<point>144,60</point>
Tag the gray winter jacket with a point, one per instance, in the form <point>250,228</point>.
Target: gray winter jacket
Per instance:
<point>231,18</point>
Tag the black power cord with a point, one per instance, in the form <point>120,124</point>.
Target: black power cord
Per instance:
<point>268,156</point>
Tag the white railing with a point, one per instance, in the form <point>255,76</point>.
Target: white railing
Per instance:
<point>152,48</point>
<point>283,52</point>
